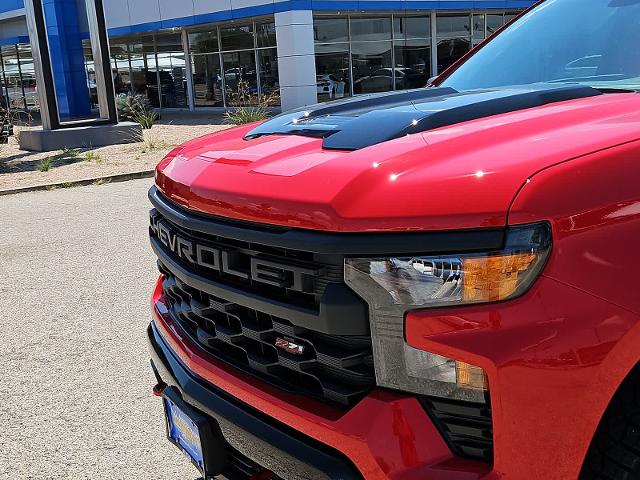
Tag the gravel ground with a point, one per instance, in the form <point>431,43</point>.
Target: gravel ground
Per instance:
<point>19,168</point>
<point>75,383</point>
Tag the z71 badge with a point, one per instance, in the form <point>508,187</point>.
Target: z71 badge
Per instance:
<point>290,347</point>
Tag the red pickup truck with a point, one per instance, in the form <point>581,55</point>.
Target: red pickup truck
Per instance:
<point>434,284</point>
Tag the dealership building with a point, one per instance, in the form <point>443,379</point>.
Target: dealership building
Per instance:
<point>197,54</point>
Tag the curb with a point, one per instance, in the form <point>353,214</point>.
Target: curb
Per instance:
<point>123,177</point>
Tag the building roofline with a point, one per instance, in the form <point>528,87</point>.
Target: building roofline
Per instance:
<point>319,6</point>
<point>289,5</point>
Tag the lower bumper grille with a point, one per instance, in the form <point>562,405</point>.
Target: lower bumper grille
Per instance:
<point>334,368</point>
<point>243,468</point>
<point>467,427</point>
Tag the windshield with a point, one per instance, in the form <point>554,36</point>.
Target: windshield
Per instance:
<point>591,42</point>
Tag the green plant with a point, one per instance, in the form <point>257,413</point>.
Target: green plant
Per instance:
<point>92,156</point>
<point>129,106</point>
<point>6,126</point>
<point>136,108</point>
<point>248,107</point>
<point>147,119</point>
<point>46,163</point>
<point>69,153</point>
<point>240,116</point>
<point>152,144</point>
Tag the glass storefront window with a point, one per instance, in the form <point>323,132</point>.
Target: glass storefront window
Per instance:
<point>266,35</point>
<point>371,54</point>
<point>121,68</point>
<point>454,38</point>
<point>509,16</point>
<point>28,80</point>
<point>494,22</point>
<point>368,29</point>
<point>14,92</point>
<point>453,25</point>
<point>90,69</point>
<point>240,77</point>
<point>411,27</point>
<point>450,51</point>
<point>172,71</point>
<point>413,63</point>
<point>204,42</point>
<point>207,80</point>
<point>4,102</point>
<point>4,96</point>
<point>332,71</point>
<point>144,77</point>
<point>478,28</point>
<point>226,62</point>
<point>372,67</point>
<point>331,29</point>
<point>269,83</point>
<point>237,37</point>
<point>412,50</point>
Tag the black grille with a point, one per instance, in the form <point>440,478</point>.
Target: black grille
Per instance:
<point>280,264</point>
<point>466,426</point>
<point>335,368</point>
<point>299,327</point>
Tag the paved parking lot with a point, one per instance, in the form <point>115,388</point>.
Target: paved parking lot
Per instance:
<point>75,386</point>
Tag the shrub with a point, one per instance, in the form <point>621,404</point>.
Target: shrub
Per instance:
<point>147,119</point>
<point>248,107</point>
<point>6,127</point>
<point>69,153</point>
<point>46,163</point>
<point>151,143</point>
<point>92,156</point>
<point>240,116</point>
<point>131,107</point>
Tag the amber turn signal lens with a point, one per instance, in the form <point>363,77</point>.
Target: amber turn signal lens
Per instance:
<point>469,376</point>
<point>494,278</point>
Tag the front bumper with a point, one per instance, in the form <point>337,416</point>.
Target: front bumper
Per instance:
<point>553,360</point>
<point>247,430</point>
<point>386,436</point>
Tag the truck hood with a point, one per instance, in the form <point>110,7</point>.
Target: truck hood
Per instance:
<point>455,161</point>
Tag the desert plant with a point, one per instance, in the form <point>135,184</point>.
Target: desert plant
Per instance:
<point>46,163</point>
<point>92,156</point>
<point>6,126</point>
<point>151,144</point>
<point>130,106</point>
<point>240,116</point>
<point>136,108</point>
<point>69,153</point>
<point>147,119</point>
<point>102,181</point>
<point>247,107</point>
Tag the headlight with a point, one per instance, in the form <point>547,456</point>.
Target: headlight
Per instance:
<point>394,285</point>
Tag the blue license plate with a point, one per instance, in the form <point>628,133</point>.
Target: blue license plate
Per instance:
<point>184,433</point>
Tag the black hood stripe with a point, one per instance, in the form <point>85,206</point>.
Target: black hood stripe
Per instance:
<point>359,122</point>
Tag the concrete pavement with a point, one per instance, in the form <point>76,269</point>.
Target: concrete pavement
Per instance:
<point>75,385</point>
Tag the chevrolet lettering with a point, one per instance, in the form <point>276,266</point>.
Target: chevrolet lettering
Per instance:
<point>230,261</point>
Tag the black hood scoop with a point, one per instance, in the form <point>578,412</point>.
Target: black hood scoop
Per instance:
<point>359,122</point>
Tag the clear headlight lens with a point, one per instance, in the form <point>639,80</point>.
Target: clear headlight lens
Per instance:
<point>394,285</point>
